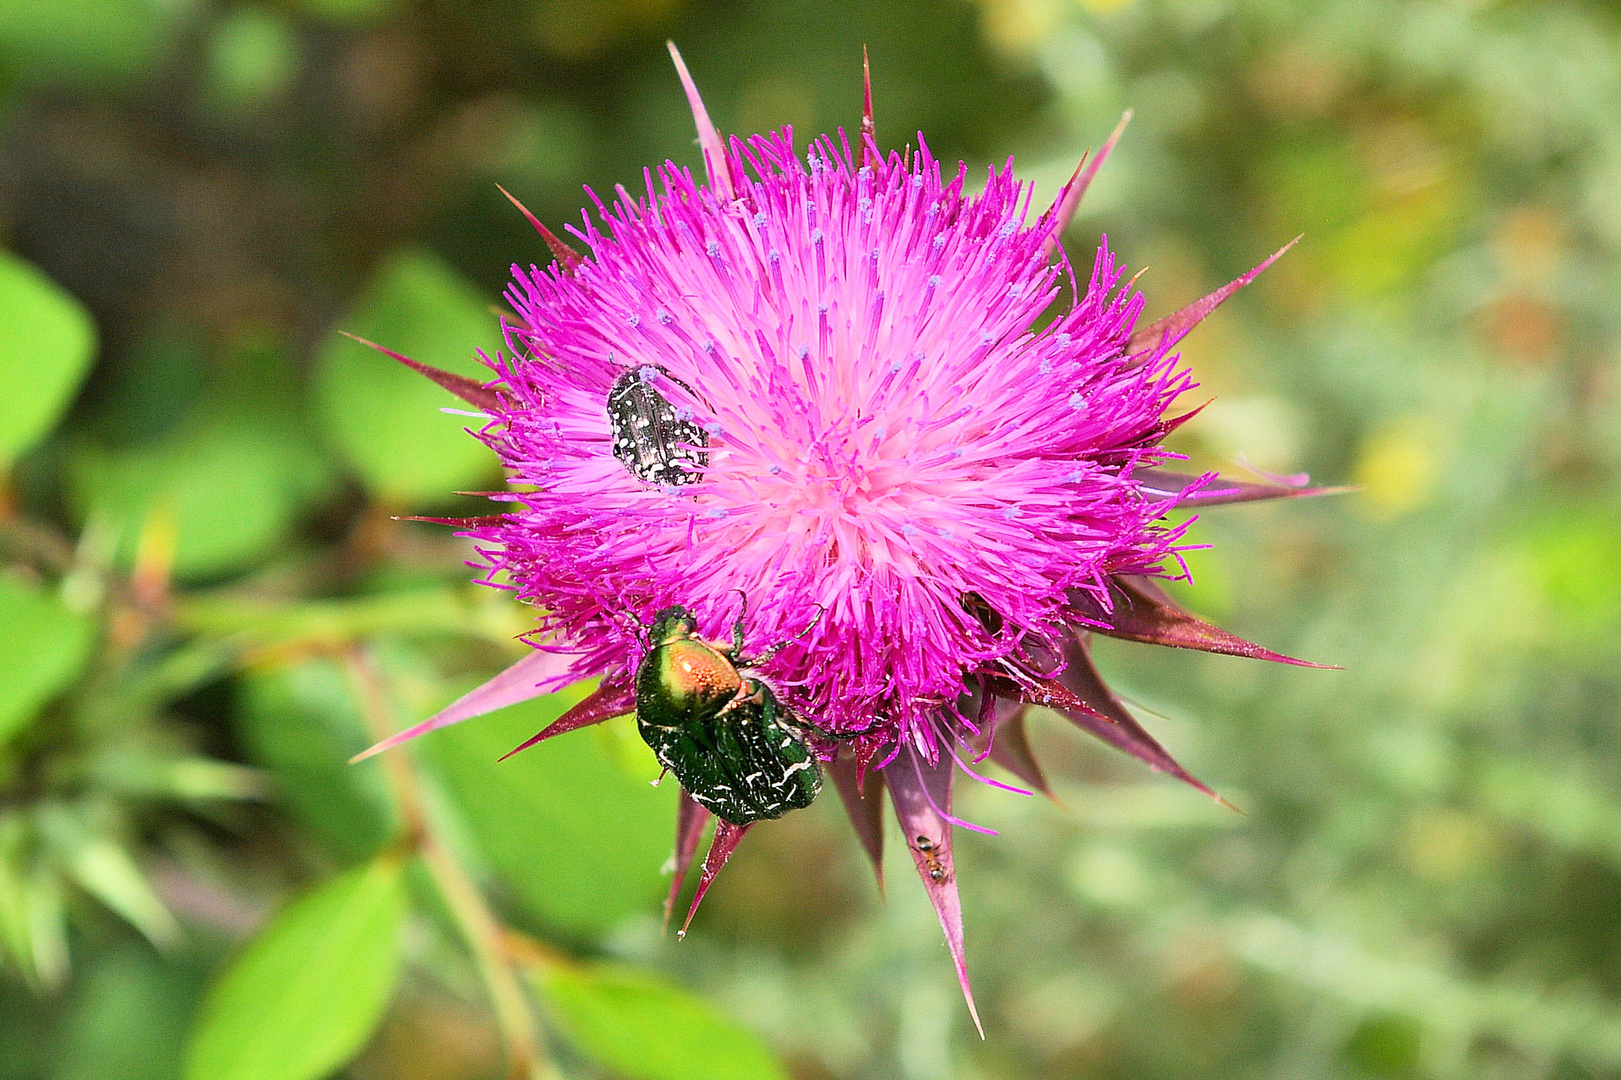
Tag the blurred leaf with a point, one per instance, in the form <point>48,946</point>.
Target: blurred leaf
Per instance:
<point>1576,555</point>
<point>94,41</point>
<point>23,1016</point>
<point>385,417</point>
<point>1577,1020</point>
<point>229,478</point>
<point>150,687</point>
<point>579,838</point>
<point>146,387</point>
<point>1387,1045</point>
<point>1316,182</point>
<point>252,59</point>
<point>348,11</point>
<point>232,487</point>
<point>645,1028</point>
<point>1566,806</point>
<point>305,995</point>
<point>100,866</point>
<point>46,344</point>
<point>151,768</point>
<point>32,918</point>
<point>43,649</point>
<point>464,609</point>
<point>301,722</point>
<point>128,1019</point>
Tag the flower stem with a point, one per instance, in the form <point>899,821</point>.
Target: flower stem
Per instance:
<point>526,1057</point>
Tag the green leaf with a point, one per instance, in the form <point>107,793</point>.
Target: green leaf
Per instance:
<point>43,650</point>
<point>46,344</point>
<point>383,416</point>
<point>33,917</point>
<point>302,723</point>
<point>127,1018</point>
<point>306,994</point>
<point>231,475</point>
<point>233,486</point>
<point>644,1028</point>
<point>93,42</point>
<point>100,866</point>
<point>578,836</point>
<point>252,59</point>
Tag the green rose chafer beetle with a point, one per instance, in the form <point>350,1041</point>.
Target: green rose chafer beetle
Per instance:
<point>737,751</point>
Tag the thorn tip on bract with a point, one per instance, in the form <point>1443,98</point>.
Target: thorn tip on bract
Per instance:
<point>727,837</point>
<point>566,256</point>
<point>716,164</point>
<point>1142,611</point>
<point>920,793</point>
<point>1174,327</point>
<point>1069,199</point>
<point>469,390</point>
<point>690,819</point>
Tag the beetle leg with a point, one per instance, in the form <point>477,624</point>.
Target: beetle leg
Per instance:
<point>765,657</point>
<point>737,627</point>
<point>745,696</point>
<point>841,736</point>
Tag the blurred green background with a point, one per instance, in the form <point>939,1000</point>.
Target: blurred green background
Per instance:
<point>207,606</point>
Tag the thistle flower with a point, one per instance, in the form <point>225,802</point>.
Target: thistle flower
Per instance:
<point>818,383</point>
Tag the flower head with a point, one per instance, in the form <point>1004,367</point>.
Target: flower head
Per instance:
<point>839,390</point>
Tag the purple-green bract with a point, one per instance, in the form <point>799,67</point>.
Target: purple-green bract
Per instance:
<point>930,462</point>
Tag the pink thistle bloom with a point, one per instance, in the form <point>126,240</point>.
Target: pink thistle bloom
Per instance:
<point>818,381</point>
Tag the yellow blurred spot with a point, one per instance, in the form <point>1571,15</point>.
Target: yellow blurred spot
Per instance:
<point>1528,245</point>
<point>1019,26</point>
<point>1445,845</point>
<point>1103,7</point>
<point>154,552</point>
<point>1397,468</point>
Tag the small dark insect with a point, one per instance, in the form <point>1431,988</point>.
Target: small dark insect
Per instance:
<point>737,750</point>
<point>654,442</point>
<point>931,859</point>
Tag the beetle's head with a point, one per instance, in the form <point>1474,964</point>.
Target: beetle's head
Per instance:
<point>673,623</point>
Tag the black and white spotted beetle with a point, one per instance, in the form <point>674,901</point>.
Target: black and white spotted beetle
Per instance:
<point>656,444</point>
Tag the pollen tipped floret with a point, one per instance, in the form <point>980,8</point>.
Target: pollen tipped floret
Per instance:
<point>891,442</point>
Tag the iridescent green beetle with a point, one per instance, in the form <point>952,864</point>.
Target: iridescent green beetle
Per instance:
<point>737,750</point>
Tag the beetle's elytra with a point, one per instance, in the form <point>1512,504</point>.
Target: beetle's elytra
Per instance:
<point>656,444</point>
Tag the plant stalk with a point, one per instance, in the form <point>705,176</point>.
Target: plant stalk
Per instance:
<point>526,1057</point>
